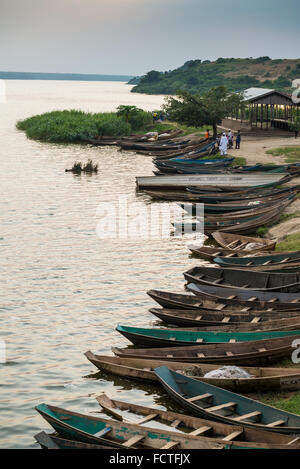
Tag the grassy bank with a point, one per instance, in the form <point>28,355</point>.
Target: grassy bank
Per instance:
<point>291,153</point>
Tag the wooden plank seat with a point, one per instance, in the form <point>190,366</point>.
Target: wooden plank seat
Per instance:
<point>275,424</point>
<point>201,397</point>
<point>133,441</point>
<point>170,445</point>
<point>256,320</point>
<point>240,418</point>
<point>176,423</point>
<point>221,407</point>
<point>103,432</point>
<point>233,435</point>
<point>147,418</point>
<point>200,431</point>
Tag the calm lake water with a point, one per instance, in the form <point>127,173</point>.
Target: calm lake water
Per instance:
<point>63,290</point>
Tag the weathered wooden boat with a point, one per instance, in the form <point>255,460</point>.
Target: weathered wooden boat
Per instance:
<point>117,434</point>
<point>244,279</point>
<point>236,242</point>
<point>154,146</point>
<point>232,212</point>
<point>222,322</point>
<point>267,260</point>
<point>246,193</point>
<point>261,380</point>
<point>238,436</point>
<point>54,442</point>
<point>260,353</point>
<point>227,181</point>
<point>149,337</point>
<point>239,226</point>
<point>219,404</point>
<point>215,300</point>
<point>209,253</point>
<point>255,299</point>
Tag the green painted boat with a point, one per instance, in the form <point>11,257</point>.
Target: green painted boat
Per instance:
<point>175,338</point>
<point>212,402</point>
<point>53,442</point>
<point>115,434</point>
<point>266,260</point>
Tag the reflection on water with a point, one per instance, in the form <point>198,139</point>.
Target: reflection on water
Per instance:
<point>63,289</point>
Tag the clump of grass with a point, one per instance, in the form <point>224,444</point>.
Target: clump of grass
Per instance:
<point>281,401</point>
<point>291,153</point>
<point>239,161</point>
<point>261,231</point>
<point>290,243</point>
<point>78,167</point>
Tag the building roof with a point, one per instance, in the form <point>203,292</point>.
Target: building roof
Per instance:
<point>254,93</point>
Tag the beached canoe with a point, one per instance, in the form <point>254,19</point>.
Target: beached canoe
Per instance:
<point>249,299</point>
<point>219,404</point>
<point>260,380</point>
<point>266,260</point>
<point>260,353</point>
<point>236,242</point>
<point>212,180</point>
<point>112,433</point>
<point>238,436</point>
<point>149,337</point>
<point>54,442</point>
<point>209,253</point>
<point>214,299</point>
<point>222,322</point>
<point>244,279</point>
<point>227,208</point>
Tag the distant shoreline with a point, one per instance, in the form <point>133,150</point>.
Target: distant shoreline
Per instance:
<point>62,76</point>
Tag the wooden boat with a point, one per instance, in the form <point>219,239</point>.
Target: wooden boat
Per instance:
<point>238,436</point>
<point>227,181</point>
<point>262,379</point>
<point>222,322</point>
<point>96,430</point>
<point>238,226</point>
<point>244,279</point>
<point>149,337</point>
<point>255,299</point>
<point>246,193</point>
<point>209,253</point>
<point>54,442</point>
<point>219,404</point>
<point>216,300</point>
<point>212,214</point>
<point>266,260</point>
<point>260,353</point>
<point>237,242</point>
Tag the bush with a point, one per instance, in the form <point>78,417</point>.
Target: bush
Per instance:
<point>73,126</point>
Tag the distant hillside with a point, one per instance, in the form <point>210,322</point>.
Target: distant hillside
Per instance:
<point>236,74</point>
<point>61,76</point>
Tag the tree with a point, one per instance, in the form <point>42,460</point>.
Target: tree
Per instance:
<point>208,109</point>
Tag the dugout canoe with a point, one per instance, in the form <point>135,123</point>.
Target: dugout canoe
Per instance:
<point>214,299</point>
<point>261,380</point>
<point>54,442</point>
<point>150,337</point>
<point>260,353</point>
<point>115,434</point>
<point>219,404</point>
<point>222,322</point>
<point>209,253</point>
<point>236,242</point>
<point>268,260</point>
<point>249,299</point>
<point>212,180</point>
<point>238,436</point>
<point>244,279</point>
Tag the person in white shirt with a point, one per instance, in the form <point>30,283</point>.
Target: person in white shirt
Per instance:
<point>223,144</point>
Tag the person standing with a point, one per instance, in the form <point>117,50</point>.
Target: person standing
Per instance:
<point>207,134</point>
<point>238,140</point>
<point>230,139</point>
<point>223,144</point>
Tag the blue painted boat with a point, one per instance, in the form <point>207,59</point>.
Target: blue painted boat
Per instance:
<point>146,337</point>
<point>218,404</point>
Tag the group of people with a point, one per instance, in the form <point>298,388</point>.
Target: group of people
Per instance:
<point>227,141</point>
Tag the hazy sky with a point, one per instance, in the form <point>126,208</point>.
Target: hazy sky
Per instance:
<point>134,36</point>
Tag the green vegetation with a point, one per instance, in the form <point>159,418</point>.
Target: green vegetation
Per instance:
<point>281,401</point>
<point>78,167</point>
<point>261,231</point>
<point>77,126</point>
<point>198,77</point>
<point>290,243</point>
<point>291,153</point>
<point>208,109</point>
